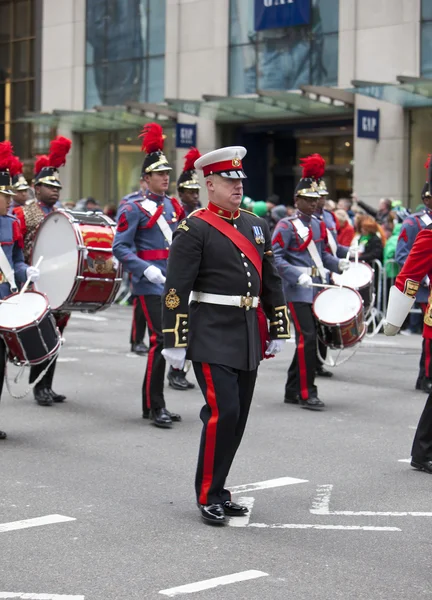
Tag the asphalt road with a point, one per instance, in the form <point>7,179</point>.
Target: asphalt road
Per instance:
<point>127,487</point>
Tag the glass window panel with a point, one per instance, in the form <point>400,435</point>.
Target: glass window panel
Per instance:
<point>18,100</point>
<point>21,19</point>
<point>95,83</point>
<point>242,70</point>
<point>124,82</point>
<point>284,61</point>
<point>32,59</point>
<point>21,138</point>
<point>20,63</point>
<point>156,28</point>
<point>426,49</point>
<point>124,39</point>
<point>325,15</point>
<point>5,22</point>
<point>2,103</point>
<point>30,95</point>
<point>32,17</point>
<point>156,80</point>
<point>343,150</point>
<point>96,17</point>
<point>324,60</point>
<point>308,145</point>
<point>4,61</point>
<point>242,27</point>
<point>426,9</point>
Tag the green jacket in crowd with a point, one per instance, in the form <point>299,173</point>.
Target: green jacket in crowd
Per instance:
<point>393,268</point>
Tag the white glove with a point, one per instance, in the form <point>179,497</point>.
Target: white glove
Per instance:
<point>33,273</point>
<point>353,251</point>
<point>390,329</point>
<point>175,357</point>
<point>426,281</point>
<point>305,280</point>
<point>344,264</point>
<point>275,346</point>
<point>115,262</point>
<point>154,274</point>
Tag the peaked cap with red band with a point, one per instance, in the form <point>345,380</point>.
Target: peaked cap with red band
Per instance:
<point>46,167</point>
<point>226,162</point>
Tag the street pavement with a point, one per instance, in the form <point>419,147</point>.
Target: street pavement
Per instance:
<point>349,520</point>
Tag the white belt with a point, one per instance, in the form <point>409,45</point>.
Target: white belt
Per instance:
<point>223,300</point>
<point>312,271</point>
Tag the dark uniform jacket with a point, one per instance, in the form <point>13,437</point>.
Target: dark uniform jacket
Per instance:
<point>203,259</point>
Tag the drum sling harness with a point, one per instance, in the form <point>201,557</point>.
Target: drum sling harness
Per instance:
<point>152,208</point>
<point>303,232</point>
<point>331,242</point>
<point>7,270</point>
<point>426,219</point>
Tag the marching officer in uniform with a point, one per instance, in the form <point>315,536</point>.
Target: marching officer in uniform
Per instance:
<point>402,296</point>
<point>411,227</point>
<point>300,249</point>
<point>11,243</point>
<point>47,187</point>
<point>221,258</point>
<point>142,245</point>
<point>20,187</point>
<point>188,185</point>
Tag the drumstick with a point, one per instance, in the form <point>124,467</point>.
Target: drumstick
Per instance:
<point>325,285</point>
<point>27,283</point>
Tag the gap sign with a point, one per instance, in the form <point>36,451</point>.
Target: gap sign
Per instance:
<point>186,135</point>
<point>272,14</point>
<point>368,124</point>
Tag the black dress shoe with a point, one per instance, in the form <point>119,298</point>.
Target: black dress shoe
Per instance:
<point>3,435</point>
<point>43,396</point>
<point>418,385</point>
<point>313,403</point>
<point>161,418</point>
<point>56,397</point>
<point>292,399</point>
<point>425,465</point>
<point>212,513</point>
<point>321,372</point>
<point>140,349</point>
<point>191,386</point>
<point>231,509</point>
<point>177,380</point>
<point>426,385</point>
<point>176,418</point>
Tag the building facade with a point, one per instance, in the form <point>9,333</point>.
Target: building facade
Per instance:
<point>285,78</point>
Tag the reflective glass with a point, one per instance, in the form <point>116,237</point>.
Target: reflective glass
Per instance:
<point>21,19</point>
<point>325,15</point>
<point>123,82</point>
<point>21,138</point>
<point>241,22</point>
<point>5,22</point>
<point>19,101</point>
<point>156,28</point>
<point>94,86</point>
<point>284,60</point>
<point>426,49</point>
<point>20,66</point>
<point>426,9</point>
<point>324,60</point>
<point>156,80</point>
<point>124,30</point>
<point>4,61</point>
<point>242,70</point>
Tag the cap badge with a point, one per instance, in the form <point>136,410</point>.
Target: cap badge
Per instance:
<point>172,301</point>
<point>236,162</point>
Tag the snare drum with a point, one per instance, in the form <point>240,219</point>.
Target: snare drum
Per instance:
<point>339,313</point>
<point>360,277</point>
<point>78,271</point>
<point>28,328</point>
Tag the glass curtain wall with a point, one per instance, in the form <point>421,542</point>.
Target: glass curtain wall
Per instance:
<point>282,59</point>
<point>125,51</point>
<point>426,39</point>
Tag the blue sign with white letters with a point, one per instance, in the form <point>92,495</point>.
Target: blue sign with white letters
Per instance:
<point>186,135</point>
<point>272,14</point>
<point>368,124</point>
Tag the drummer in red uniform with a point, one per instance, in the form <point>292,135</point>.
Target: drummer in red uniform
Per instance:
<point>47,190</point>
<point>11,254</point>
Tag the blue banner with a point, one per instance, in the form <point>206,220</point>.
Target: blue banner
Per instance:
<point>273,14</point>
<point>368,124</point>
<point>186,135</point>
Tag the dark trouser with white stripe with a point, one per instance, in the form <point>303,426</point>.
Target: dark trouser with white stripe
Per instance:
<point>426,355</point>
<point>138,323</point>
<point>153,384</point>
<point>422,445</point>
<point>301,373</point>
<point>228,394</point>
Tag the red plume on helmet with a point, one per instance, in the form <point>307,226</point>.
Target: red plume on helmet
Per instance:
<point>42,161</point>
<point>313,166</point>
<point>6,155</point>
<point>152,138</point>
<point>193,155</point>
<point>427,163</point>
<point>58,151</point>
<point>16,166</point>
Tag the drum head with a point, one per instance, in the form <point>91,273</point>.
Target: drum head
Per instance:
<point>357,276</point>
<point>18,311</point>
<point>337,305</point>
<point>57,243</point>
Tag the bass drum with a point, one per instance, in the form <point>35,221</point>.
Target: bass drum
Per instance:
<point>78,271</point>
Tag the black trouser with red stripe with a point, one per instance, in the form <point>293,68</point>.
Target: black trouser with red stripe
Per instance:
<point>47,380</point>
<point>138,323</point>
<point>228,394</point>
<point>153,384</point>
<point>426,355</point>
<point>301,373</point>
<point>422,446</point>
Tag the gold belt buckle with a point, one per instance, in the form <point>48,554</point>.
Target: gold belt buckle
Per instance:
<point>246,302</point>
<point>314,272</point>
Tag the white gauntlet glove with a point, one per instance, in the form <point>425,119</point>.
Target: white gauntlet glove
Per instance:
<point>390,329</point>
<point>305,280</point>
<point>275,346</point>
<point>33,273</point>
<point>175,357</point>
<point>154,275</point>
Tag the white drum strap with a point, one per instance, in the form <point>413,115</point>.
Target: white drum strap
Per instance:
<point>151,207</point>
<point>331,242</point>
<point>7,270</point>
<point>426,219</point>
<point>303,232</point>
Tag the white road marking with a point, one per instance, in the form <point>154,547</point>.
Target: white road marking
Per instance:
<point>311,526</point>
<point>208,584</point>
<point>39,596</point>
<point>265,485</point>
<point>405,460</point>
<point>65,360</point>
<point>86,317</point>
<point>243,521</point>
<point>36,522</point>
<point>321,503</point>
